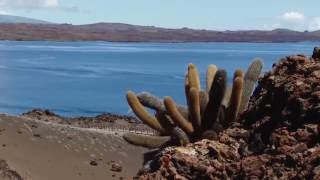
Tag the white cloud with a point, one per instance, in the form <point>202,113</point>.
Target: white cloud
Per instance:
<point>4,12</point>
<point>294,20</point>
<point>293,16</point>
<point>314,24</point>
<point>51,3</point>
<point>29,4</point>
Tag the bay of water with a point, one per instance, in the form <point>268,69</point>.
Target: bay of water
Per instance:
<point>89,78</point>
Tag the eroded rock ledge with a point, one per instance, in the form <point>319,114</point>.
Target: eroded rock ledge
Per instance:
<point>277,137</point>
<point>6,173</point>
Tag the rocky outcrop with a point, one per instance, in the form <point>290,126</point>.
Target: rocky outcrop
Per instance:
<point>316,53</point>
<point>100,121</point>
<point>278,135</point>
<point>47,115</point>
<point>6,173</point>
<point>287,97</point>
<point>44,115</point>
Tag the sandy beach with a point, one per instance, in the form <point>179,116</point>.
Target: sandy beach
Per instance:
<point>43,151</point>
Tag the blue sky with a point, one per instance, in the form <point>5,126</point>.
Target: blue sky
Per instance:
<point>200,14</point>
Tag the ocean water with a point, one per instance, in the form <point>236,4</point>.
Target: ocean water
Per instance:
<point>88,78</point>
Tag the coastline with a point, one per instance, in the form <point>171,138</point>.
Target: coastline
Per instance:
<point>104,122</point>
<point>157,42</point>
<point>115,32</point>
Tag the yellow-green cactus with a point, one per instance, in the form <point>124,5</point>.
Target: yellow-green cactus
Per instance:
<point>142,114</point>
<point>194,109</point>
<point>204,99</point>
<point>216,95</point>
<point>211,73</point>
<point>238,73</point>
<point>208,111</point>
<point>235,100</point>
<point>250,80</point>
<point>176,115</point>
<point>151,101</point>
<point>193,77</point>
<point>146,140</point>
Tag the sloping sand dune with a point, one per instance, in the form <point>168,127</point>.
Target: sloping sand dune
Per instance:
<point>43,151</point>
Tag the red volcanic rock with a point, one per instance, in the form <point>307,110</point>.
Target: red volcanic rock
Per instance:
<point>278,136</point>
<point>202,160</point>
<point>287,98</point>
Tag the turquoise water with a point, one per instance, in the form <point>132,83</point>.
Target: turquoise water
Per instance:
<point>88,78</point>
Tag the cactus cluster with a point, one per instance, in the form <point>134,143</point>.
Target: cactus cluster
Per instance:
<point>208,110</point>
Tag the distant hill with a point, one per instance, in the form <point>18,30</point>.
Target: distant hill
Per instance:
<point>18,19</point>
<point>316,33</point>
<point>118,32</point>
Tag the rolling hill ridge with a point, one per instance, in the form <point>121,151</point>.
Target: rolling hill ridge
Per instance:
<point>18,28</point>
<point>18,19</point>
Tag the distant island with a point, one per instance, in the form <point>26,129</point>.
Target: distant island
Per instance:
<point>26,29</point>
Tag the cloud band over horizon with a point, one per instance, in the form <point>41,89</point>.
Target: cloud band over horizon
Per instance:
<point>29,4</point>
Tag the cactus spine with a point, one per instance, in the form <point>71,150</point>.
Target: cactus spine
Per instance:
<point>181,136</point>
<point>235,100</point>
<point>151,101</point>
<point>211,73</point>
<point>216,95</point>
<point>193,77</point>
<point>165,121</point>
<point>142,114</point>
<point>175,132</point>
<point>238,73</point>
<point>155,103</point>
<point>147,141</point>
<point>176,115</point>
<point>204,99</point>
<point>195,114</point>
<point>250,79</point>
<point>226,98</point>
<point>187,87</point>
